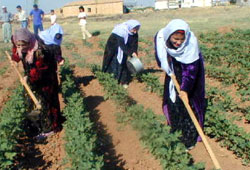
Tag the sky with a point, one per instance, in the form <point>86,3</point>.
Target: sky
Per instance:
<point>46,5</point>
<point>140,3</point>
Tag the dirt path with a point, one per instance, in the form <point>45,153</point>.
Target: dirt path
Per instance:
<point>122,147</point>
<point>211,82</point>
<point>142,96</point>
<point>47,155</point>
<point>9,81</point>
<point>226,158</point>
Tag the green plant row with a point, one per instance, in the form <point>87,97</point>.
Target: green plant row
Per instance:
<point>154,134</point>
<point>146,41</point>
<point>231,76</point>
<point>81,139</point>
<point>11,128</point>
<point>229,58</point>
<point>232,47</point>
<point>152,83</point>
<point>218,126</point>
<point>226,102</point>
<point>225,131</point>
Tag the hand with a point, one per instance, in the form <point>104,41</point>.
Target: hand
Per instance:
<point>61,62</point>
<point>134,55</point>
<point>25,78</point>
<point>183,95</point>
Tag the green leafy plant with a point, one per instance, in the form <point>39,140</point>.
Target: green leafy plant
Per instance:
<point>154,133</point>
<point>229,58</point>
<point>232,137</point>
<point>102,44</point>
<point>81,139</point>
<point>3,70</point>
<point>11,128</point>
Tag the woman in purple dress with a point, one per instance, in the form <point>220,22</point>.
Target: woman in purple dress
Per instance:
<point>177,52</point>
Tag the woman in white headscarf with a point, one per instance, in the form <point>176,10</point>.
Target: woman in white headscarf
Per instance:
<point>177,52</point>
<point>52,39</point>
<point>123,42</point>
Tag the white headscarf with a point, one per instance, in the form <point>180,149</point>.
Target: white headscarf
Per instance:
<point>187,53</point>
<point>123,30</point>
<point>48,36</point>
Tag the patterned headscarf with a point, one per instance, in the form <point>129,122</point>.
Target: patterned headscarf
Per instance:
<point>24,34</point>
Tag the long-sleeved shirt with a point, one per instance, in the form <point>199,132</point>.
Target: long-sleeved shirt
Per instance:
<point>21,16</point>
<point>53,19</point>
<point>6,17</point>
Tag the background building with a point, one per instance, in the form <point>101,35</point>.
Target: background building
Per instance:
<point>169,4</point>
<point>243,2</point>
<point>92,7</point>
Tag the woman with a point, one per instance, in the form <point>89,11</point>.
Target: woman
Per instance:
<point>177,52</point>
<point>52,38</point>
<point>40,70</point>
<point>123,42</point>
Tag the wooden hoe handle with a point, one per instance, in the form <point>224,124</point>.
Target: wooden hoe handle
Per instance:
<point>24,83</point>
<point>197,125</point>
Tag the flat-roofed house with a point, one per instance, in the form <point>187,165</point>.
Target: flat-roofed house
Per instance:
<point>92,7</point>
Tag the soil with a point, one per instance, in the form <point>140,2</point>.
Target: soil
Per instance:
<point>105,110</point>
<point>122,147</point>
<point>226,158</point>
<point>8,82</point>
<point>226,29</point>
<point>47,155</point>
<point>139,93</point>
<point>44,155</point>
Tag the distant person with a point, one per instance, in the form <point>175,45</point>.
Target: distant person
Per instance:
<point>22,17</point>
<point>122,42</point>
<point>37,15</point>
<point>177,52</point>
<point>82,17</point>
<point>52,17</point>
<point>6,19</point>
<point>61,12</point>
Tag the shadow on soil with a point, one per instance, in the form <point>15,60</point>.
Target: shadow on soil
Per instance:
<point>106,146</point>
<point>32,157</point>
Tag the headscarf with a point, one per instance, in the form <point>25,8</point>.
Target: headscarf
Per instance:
<point>187,53</point>
<point>48,36</point>
<point>123,30</point>
<point>24,34</point>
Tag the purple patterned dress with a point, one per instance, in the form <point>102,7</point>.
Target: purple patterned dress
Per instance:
<point>191,78</point>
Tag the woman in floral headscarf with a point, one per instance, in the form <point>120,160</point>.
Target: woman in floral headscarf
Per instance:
<point>123,42</point>
<point>40,70</point>
<point>177,52</point>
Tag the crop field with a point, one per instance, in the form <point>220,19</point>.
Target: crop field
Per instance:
<point>108,127</point>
